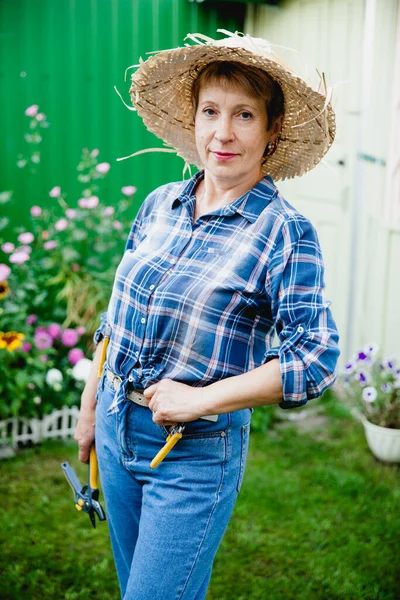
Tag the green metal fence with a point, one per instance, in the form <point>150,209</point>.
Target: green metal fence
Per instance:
<point>66,56</point>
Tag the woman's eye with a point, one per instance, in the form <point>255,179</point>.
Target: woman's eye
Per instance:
<point>209,112</point>
<point>246,115</point>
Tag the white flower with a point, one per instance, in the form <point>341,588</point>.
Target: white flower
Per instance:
<point>369,394</point>
<point>53,376</point>
<point>81,370</point>
<point>371,350</point>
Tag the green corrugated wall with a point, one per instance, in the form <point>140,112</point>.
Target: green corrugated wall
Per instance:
<point>66,56</point>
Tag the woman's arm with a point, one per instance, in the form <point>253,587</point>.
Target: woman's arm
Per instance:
<point>84,431</point>
<point>259,387</point>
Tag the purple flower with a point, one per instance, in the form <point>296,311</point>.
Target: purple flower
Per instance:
<point>26,238</point>
<point>36,211</point>
<point>361,356</point>
<point>8,247</point>
<point>81,330</point>
<point>31,319</point>
<point>43,340</point>
<point>128,190</point>
<point>26,347</point>
<point>75,356</point>
<point>19,257</point>
<point>4,272</point>
<point>103,168</point>
<point>31,111</point>
<point>69,337</point>
<point>61,225</point>
<point>361,377</point>
<point>92,202</point>
<point>55,192</point>
<point>54,330</point>
<point>386,387</point>
<point>50,245</point>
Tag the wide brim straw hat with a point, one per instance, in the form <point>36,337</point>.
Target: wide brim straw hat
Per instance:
<point>161,92</point>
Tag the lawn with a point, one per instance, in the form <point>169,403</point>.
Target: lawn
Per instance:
<point>317,518</point>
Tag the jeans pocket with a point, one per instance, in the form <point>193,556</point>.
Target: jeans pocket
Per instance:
<point>244,439</point>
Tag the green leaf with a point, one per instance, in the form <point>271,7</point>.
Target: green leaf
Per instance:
<point>3,222</point>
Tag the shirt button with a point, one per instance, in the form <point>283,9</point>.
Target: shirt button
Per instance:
<point>300,329</point>
<point>152,287</point>
<point>136,353</point>
<point>143,320</point>
<point>172,261</point>
<point>130,378</point>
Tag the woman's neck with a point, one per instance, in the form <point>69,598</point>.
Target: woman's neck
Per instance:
<point>214,193</point>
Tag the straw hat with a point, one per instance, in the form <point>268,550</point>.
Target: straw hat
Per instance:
<point>161,92</point>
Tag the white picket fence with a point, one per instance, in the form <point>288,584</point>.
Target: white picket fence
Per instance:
<point>59,424</point>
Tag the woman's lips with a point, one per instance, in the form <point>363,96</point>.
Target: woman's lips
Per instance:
<point>224,156</point>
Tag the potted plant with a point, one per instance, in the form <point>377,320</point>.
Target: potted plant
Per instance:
<point>372,383</point>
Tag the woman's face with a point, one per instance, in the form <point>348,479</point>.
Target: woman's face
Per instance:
<point>231,131</point>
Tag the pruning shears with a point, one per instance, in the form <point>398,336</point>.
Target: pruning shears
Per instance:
<point>86,497</point>
<point>175,433</point>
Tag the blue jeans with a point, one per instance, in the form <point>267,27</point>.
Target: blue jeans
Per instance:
<point>166,524</point>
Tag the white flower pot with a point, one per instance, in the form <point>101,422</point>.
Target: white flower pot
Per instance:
<point>383,442</point>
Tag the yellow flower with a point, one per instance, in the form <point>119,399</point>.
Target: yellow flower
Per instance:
<point>11,340</point>
<point>4,289</point>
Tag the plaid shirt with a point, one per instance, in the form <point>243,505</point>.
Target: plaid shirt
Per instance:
<point>200,302</point>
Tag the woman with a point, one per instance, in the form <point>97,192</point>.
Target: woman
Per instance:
<point>212,267</point>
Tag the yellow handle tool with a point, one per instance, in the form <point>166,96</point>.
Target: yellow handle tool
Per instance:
<point>103,355</point>
<point>174,437</point>
<point>94,469</point>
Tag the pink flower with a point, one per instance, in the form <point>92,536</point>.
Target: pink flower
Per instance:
<point>54,330</point>
<point>94,153</point>
<point>31,385</point>
<point>108,211</point>
<point>4,272</point>
<point>75,356</point>
<point>82,202</point>
<point>31,319</point>
<point>71,213</point>
<point>103,168</point>
<point>75,267</point>
<point>81,330</point>
<point>117,225</point>
<point>37,399</point>
<point>55,192</point>
<point>26,249</point>
<point>69,337</point>
<point>43,340</point>
<point>50,245</point>
<point>36,211</point>
<point>26,347</point>
<point>26,238</point>
<point>40,117</point>
<point>61,225</point>
<point>19,257</point>
<point>128,190</point>
<point>44,358</point>
<point>45,235</point>
<point>8,247</point>
<point>31,111</point>
<point>92,202</point>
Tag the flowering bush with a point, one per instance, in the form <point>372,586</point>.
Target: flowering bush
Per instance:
<point>373,384</point>
<point>55,280</point>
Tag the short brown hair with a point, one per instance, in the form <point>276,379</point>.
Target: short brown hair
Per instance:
<point>256,82</point>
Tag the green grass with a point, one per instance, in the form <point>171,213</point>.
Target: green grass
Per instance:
<point>317,519</point>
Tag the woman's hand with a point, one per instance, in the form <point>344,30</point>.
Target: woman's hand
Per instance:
<point>173,402</point>
<point>84,432</point>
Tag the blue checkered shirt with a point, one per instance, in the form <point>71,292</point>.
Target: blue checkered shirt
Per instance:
<point>200,302</point>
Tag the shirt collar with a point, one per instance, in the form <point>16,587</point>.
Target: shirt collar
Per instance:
<point>250,205</point>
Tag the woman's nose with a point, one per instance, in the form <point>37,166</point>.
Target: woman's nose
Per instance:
<point>224,130</point>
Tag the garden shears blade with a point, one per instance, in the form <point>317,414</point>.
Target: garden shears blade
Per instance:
<point>86,497</point>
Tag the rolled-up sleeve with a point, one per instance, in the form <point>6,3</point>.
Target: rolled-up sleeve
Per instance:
<point>308,351</point>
